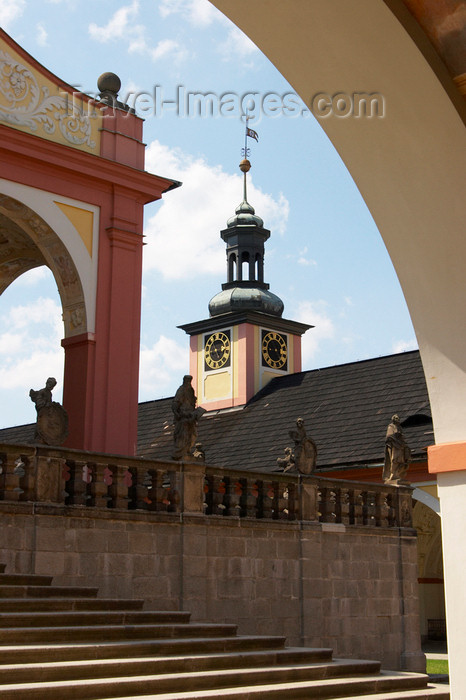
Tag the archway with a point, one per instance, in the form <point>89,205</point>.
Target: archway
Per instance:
<point>409,167</point>
<point>27,241</point>
<point>430,572</point>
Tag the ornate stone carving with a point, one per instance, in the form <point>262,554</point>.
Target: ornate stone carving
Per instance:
<point>186,417</point>
<point>52,419</point>
<point>304,454</point>
<point>199,452</point>
<point>397,454</point>
<point>287,462</point>
<point>26,241</point>
<point>27,104</point>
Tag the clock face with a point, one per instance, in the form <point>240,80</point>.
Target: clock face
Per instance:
<point>217,350</point>
<point>274,350</point>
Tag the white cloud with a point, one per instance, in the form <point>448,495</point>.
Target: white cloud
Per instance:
<point>123,26</point>
<point>183,237</point>
<point>42,35</point>
<point>165,48</point>
<point>118,25</point>
<point>237,45</point>
<point>404,345</point>
<point>31,277</point>
<point>10,10</point>
<point>162,367</point>
<point>314,313</point>
<point>199,13</point>
<point>30,349</point>
<point>303,260</point>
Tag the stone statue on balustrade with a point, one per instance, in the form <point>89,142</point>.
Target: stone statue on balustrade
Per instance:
<point>186,417</point>
<point>303,455</point>
<point>52,419</point>
<point>397,454</point>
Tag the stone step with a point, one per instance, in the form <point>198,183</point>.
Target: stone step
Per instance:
<point>40,653</point>
<point>25,580</point>
<point>432,692</point>
<point>44,604</point>
<point>285,683</point>
<point>28,635</point>
<point>73,618</point>
<point>7,591</point>
<point>64,642</point>
<point>110,668</point>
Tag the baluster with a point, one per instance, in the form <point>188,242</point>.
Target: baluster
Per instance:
<point>342,506</point>
<point>168,497</point>
<point>282,501</point>
<point>162,489</point>
<point>391,504</point>
<point>356,507</point>
<point>174,491</point>
<point>369,510</point>
<point>208,493</point>
<point>327,505</point>
<point>2,475</point>
<point>131,476</point>
<point>233,497</point>
<point>382,509</point>
<point>268,495</point>
<point>80,475</point>
<point>276,500</point>
<point>67,480</point>
<point>292,501</point>
<point>15,472</point>
<point>224,487</point>
<point>146,493</point>
<point>103,479</point>
<point>249,499</point>
<point>124,481</point>
<point>218,495</point>
<point>89,481</point>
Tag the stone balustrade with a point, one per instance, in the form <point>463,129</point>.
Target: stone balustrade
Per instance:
<point>41,474</point>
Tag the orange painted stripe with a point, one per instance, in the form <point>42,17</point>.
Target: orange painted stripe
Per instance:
<point>447,457</point>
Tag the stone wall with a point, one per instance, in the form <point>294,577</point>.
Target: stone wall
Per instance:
<point>350,587</point>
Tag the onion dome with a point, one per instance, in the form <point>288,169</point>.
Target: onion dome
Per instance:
<point>245,298</point>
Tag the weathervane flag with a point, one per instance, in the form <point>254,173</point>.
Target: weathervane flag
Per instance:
<point>252,134</point>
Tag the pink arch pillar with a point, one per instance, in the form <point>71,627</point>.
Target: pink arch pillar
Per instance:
<point>102,368</point>
<point>102,363</point>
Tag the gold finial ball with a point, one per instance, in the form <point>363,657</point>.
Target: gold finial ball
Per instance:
<point>245,166</point>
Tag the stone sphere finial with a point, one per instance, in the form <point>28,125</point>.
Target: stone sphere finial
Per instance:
<point>245,166</point>
<point>109,83</point>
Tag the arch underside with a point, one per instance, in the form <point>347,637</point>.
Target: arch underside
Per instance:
<point>26,242</point>
<point>408,164</point>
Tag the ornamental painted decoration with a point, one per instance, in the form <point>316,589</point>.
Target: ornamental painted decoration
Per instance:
<point>26,103</point>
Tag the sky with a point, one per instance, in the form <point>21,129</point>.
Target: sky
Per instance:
<point>325,258</point>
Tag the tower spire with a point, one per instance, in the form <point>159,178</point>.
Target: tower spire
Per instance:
<point>245,165</point>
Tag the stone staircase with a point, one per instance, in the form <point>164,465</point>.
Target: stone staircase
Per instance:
<point>62,642</point>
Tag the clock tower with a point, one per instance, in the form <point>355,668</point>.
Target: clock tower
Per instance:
<point>245,342</point>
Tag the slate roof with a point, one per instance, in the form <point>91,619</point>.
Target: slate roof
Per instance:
<point>346,410</point>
